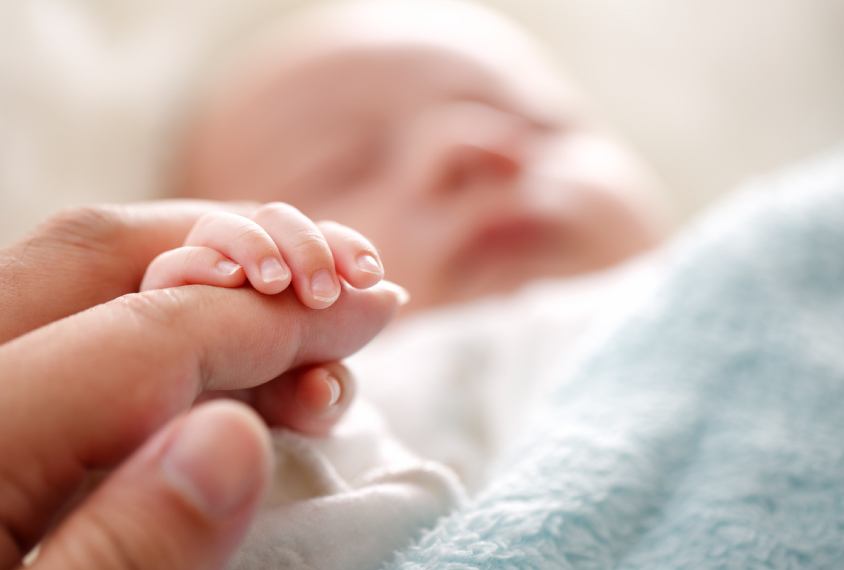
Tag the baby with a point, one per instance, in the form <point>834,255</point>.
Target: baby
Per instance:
<point>438,131</point>
<point>277,248</point>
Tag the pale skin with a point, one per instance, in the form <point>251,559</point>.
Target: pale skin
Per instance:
<point>472,173</point>
<point>97,376</point>
<point>480,190</point>
<point>275,248</point>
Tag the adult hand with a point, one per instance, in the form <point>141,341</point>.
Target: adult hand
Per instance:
<point>109,386</point>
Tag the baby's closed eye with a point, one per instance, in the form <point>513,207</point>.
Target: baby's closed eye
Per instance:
<point>349,163</point>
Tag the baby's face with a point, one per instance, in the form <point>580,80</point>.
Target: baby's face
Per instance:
<point>465,183</point>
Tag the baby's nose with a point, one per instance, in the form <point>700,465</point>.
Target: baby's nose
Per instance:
<point>467,145</point>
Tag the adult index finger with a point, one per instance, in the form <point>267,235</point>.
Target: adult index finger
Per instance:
<point>85,391</point>
<point>90,255</point>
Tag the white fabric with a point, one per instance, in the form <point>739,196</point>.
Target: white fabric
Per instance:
<point>346,501</point>
<point>454,385</point>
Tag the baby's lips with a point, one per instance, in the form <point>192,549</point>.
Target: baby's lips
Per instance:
<point>402,295</point>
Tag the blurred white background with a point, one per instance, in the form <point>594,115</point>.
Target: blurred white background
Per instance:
<point>92,92</point>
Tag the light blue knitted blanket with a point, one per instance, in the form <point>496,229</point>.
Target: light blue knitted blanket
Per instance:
<point>708,432</point>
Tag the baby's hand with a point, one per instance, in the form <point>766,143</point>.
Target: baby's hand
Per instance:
<point>277,246</point>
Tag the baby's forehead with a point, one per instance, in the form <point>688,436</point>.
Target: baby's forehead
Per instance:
<point>380,82</point>
<point>345,94</point>
<point>408,71</point>
<point>378,44</point>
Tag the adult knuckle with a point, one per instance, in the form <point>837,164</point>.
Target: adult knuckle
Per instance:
<point>162,308</point>
<point>163,323</point>
<point>90,239</point>
<point>99,546</point>
<point>160,320</point>
<point>96,227</point>
<point>123,540</point>
<point>23,493</point>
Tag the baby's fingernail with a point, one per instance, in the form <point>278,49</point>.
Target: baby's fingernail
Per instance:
<point>402,294</point>
<point>334,388</point>
<point>323,287</point>
<point>319,395</point>
<point>272,270</point>
<point>227,267</point>
<point>368,263</point>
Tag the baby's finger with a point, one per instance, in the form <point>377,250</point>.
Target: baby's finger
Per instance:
<point>306,252</point>
<point>192,266</point>
<point>309,400</point>
<point>247,244</point>
<point>355,259</point>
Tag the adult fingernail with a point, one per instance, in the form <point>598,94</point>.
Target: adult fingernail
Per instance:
<point>367,262</point>
<point>273,270</point>
<point>323,287</point>
<point>227,267</point>
<point>210,462</point>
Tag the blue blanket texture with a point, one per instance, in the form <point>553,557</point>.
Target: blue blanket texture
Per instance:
<point>708,431</point>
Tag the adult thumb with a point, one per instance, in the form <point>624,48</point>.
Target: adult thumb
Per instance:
<point>183,501</point>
